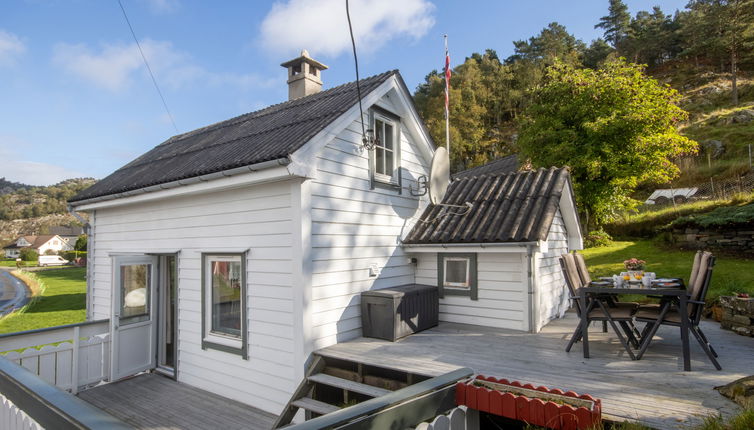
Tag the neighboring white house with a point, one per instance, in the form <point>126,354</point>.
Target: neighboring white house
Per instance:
<point>41,243</point>
<point>268,226</point>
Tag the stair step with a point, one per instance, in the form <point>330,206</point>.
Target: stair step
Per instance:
<point>345,384</point>
<point>315,406</point>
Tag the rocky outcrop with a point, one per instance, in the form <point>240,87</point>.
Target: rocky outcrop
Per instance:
<point>737,240</point>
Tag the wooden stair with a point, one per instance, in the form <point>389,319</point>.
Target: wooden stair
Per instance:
<point>331,384</point>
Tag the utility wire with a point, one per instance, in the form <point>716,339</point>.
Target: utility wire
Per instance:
<point>146,63</point>
<point>364,140</point>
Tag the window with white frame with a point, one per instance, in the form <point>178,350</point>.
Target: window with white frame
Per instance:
<point>224,302</point>
<point>386,158</point>
<point>457,274</point>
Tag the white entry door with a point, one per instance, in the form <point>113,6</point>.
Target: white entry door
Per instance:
<point>133,326</point>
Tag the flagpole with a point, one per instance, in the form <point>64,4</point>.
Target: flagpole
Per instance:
<point>447,95</point>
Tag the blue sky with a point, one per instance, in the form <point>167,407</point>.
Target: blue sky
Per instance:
<point>76,100</point>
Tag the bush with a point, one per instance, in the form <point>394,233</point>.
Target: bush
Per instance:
<point>597,238</point>
<point>50,252</point>
<point>72,255</point>
<point>731,216</point>
<point>28,254</point>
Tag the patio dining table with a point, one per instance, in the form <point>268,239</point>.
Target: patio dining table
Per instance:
<point>674,293</point>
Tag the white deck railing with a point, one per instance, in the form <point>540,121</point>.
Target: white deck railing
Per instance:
<point>69,357</point>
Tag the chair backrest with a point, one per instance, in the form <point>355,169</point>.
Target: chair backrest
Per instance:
<point>572,278</point>
<point>581,266</point>
<point>698,290</point>
<point>695,268</point>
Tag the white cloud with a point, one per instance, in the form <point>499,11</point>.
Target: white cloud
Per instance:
<point>10,47</point>
<point>163,6</point>
<point>16,169</point>
<point>320,26</point>
<point>115,66</point>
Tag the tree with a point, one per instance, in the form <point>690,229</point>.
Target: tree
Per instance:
<point>81,243</point>
<point>29,254</point>
<point>479,109</point>
<point>617,23</point>
<point>597,52</point>
<point>724,30</point>
<point>614,127</point>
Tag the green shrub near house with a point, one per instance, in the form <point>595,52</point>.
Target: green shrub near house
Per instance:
<point>724,217</point>
<point>28,254</point>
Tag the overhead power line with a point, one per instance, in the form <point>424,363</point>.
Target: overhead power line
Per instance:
<point>146,63</point>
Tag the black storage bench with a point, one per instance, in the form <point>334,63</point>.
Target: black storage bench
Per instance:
<point>393,313</point>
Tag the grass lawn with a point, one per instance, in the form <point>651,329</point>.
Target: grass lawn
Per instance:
<point>12,263</point>
<point>730,274</point>
<point>63,302</point>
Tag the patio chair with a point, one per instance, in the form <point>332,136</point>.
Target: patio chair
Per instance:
<point>610,300</point>
<point>697,293</point>
<point>597,310</point>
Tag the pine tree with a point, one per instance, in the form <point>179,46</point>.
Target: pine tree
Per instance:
<point>617,23</point>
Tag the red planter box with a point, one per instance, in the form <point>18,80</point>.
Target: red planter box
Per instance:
<point>553,409</point>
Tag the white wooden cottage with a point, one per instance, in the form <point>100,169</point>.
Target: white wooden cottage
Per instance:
<point>224,256</point>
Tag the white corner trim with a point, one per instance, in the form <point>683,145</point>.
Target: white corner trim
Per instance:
<point>571,218</point>
<point>224,183</point>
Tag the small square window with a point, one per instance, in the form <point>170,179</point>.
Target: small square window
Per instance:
<point>457,274</point>
<point>224,302</point>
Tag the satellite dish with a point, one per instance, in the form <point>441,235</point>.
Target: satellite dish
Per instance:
<point>439,176</point>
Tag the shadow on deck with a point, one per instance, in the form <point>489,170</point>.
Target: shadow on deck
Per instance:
<point>151,401</point>
<point>655,390</point>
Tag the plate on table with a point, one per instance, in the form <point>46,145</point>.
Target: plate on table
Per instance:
<point>665,285</point>
<point>664,280</point>
<point>601,284</point>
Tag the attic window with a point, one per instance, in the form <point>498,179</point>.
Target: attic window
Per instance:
<point>385,157</point>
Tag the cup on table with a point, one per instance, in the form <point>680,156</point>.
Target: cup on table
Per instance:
<point>646,281</point>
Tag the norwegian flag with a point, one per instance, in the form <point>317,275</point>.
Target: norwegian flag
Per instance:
<point>447,77</point>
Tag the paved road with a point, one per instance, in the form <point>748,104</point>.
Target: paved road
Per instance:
<point>13,292</point>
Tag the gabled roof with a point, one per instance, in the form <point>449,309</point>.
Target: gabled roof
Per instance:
<point>35,241</point>
<point>506,207</point>
<point>265,135</point>
<point>508,164</point>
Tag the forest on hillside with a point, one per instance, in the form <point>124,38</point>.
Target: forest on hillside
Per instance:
<point>26,201</point>
<point>689,48</point>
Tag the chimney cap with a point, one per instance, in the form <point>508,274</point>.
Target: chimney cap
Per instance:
<point>304,58</point>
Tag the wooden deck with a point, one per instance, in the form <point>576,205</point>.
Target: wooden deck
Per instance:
<point>655,390</point>
<point>151,401</point>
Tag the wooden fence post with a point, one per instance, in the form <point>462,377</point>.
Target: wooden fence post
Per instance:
<point>75,361</point>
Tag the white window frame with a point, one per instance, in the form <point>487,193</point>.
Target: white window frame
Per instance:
<point>460,285</point>
<point>391,179</point>
<point>219,340</point>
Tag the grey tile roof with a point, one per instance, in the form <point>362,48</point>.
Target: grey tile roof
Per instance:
<point>265,135</point>
<point>507,164</point>
<point>506,207</point>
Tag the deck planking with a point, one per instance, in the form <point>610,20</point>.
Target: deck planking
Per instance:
<point>151,401</point>
<point>655,390</point>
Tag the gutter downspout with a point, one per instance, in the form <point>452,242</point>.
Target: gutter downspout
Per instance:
<point>87,231</point>
<point>531,288</point>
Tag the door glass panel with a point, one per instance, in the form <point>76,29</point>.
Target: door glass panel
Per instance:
<point>226,297</point>
<point>134,287</point>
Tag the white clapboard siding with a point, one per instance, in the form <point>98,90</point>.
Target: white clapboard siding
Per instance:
<point>501,279</point>
<point>355,227</point>
<point>14,418</point>
<point>551,290</point>
<point>257,218</point>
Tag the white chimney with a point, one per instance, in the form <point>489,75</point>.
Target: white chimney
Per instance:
<point>303,76</point>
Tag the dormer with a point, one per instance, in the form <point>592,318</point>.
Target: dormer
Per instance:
<point>304,76</point>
